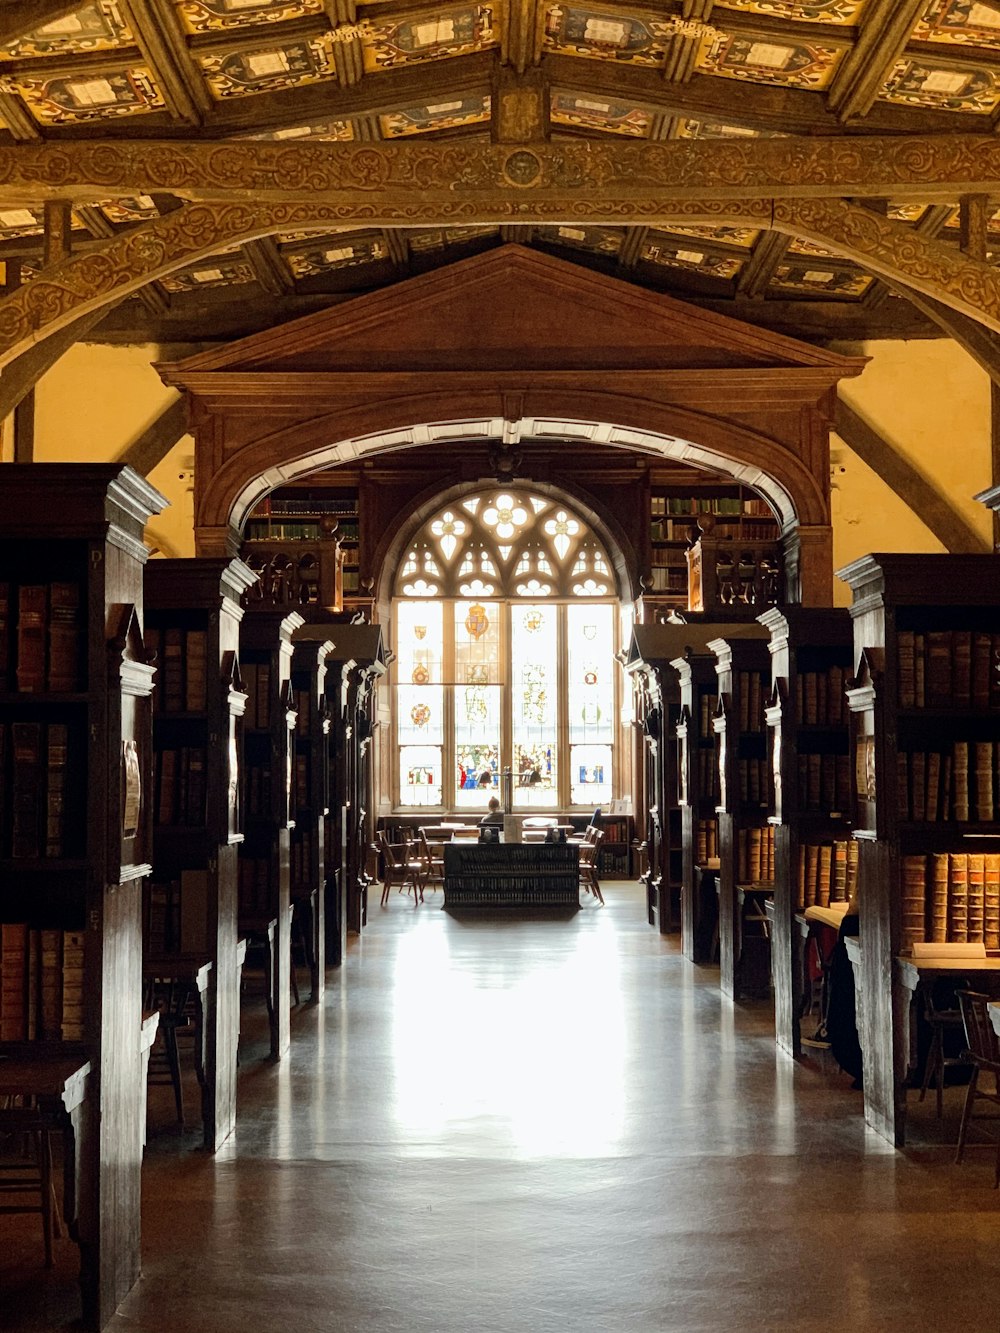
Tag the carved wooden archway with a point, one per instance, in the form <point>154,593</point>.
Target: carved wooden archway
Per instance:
<point>516,345</point>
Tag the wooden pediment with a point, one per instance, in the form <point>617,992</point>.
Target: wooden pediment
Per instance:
<point>511,309</point>
<point>871,668</point>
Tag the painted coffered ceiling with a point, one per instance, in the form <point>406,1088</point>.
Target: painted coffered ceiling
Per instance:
<point>346,72</point>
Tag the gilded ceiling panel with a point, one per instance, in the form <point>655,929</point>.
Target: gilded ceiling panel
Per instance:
<point>961,22</point>
<point>769,60</point>
<point>213,15</point>
<point>138,209</point>
<point>799,246</point>
<point>326,257</point>
<point>16,222</point>
<point>908,213</point>
<point>597,240</point>
<point>677,254</point>
<point>800,11</point>
<point>830,280</point>
<point>433,239</point>
<point>211,273</point>
<point>744,237</point>
<point>593,113</point>
<point>690,128</point>
<point>99,26</point>
<point>641,39</point>
<point>331,131</point>
<point>919,82</point>
<point>452,31</point>
<point>438,116</point>
<point>266,68</point>
<point>94,95</point>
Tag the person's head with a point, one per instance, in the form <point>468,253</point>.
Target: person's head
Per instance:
<point>494,805</point>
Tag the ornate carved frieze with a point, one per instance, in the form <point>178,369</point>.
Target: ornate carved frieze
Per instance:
<point>504,181</point>
<point>896,252</point>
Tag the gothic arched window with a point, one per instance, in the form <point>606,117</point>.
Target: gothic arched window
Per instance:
<point>505,631</point>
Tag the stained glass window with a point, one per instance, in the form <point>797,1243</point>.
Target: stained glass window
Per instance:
<point>477,702</point>
<point>505,630</point>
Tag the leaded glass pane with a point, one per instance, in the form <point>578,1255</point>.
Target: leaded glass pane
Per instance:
<point>590,669</point>
<point>477,701</point>
<point>420,774</point>
<point>419,643</point>
<point>590,774</point>
<point>420,714</point>
<point>534,681</point>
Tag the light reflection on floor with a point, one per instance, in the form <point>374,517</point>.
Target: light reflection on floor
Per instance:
<point>532,1056</point>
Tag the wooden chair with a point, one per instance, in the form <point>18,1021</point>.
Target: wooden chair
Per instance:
<point>400,870</point>
<point>30,1173</point>
<point>941,1020</point>
<point>588,866</point>
<point>587,836</point>
<point>984,1054</point>
<point>432,861</point>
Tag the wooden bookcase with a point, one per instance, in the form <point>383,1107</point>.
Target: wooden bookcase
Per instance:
<point>193,615</point>
<point>305,541</point>
<point>265,887</point>
<point>698,797</point>
<point>354,666</point>
<point>735,527</point>
<point>807,717</point>
<point>311,801</point>
<point>925,645</point>
<point>745,841</point>
<point>656,693</point>
<point>75,835</point>
<point>649,662</point>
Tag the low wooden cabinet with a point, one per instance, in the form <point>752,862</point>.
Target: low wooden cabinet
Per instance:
<point>511,877</point>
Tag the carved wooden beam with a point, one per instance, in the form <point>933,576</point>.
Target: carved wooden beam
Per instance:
<point>271,271</point>
<point>519,107</point>
<point>154,443</point>
<point>632,246</point>
<point>472,179</point>
<point>974,218</point>
<point>981,343</point>
<point>762,264</point>
<point>887,28</point>
<point>153,296</point>
<point>520,34</point>
<point>124,264</point>
<point>20,375</point>
<point>58,230</point>
<point>17,20</point>
<point>947,524</point>
<point>17,119</point>
<point>160,38</point>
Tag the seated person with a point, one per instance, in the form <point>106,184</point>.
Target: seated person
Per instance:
<point>494,815</point>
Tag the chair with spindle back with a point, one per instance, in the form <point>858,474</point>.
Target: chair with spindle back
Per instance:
<point>400,870</point>
<point>588,865</point>
<point>984,1055</point>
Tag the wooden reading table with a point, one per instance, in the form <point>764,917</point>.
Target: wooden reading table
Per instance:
<point>915,973</point>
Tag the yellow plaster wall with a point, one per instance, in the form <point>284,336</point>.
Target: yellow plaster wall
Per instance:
<point>931,401</point>
<point>93,404</point>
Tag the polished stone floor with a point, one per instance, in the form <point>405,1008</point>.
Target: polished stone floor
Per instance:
<point>549,1125</point>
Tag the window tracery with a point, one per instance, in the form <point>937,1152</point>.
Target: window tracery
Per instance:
<point>505,656</point>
